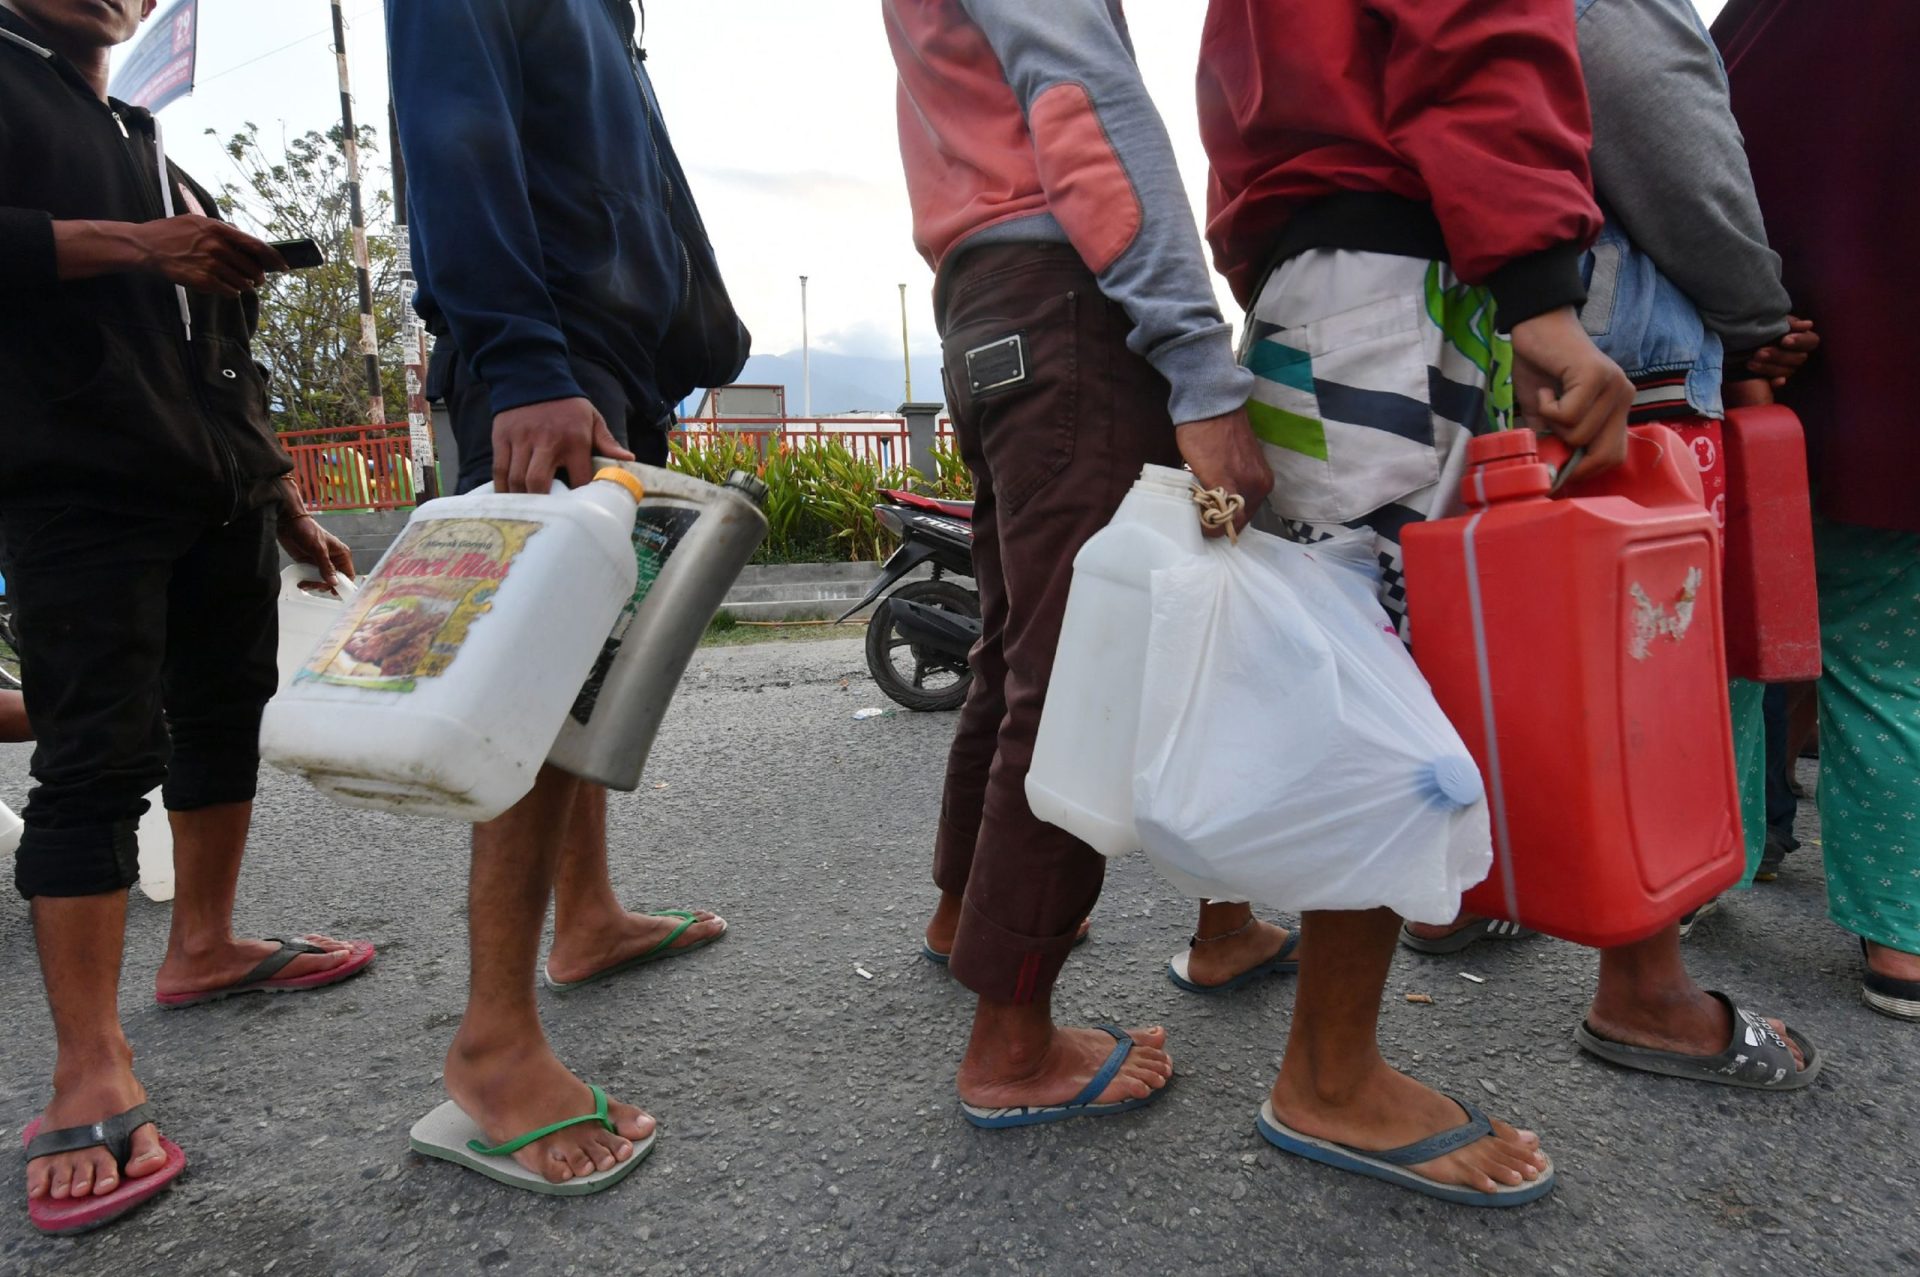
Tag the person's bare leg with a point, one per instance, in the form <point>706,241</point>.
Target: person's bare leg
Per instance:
<point>14,726</point>
<point>1896,963</point>
<point>1335,1085</point>
<point>500,1068</point>
<point>592,930</point>
<point>80,939</point>
<point>202,952</point>
<point>1229,942</point>
<point>1647,998</point>
<point>1017,1056</point>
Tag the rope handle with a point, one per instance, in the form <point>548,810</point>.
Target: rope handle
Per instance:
<point>1220,509</point>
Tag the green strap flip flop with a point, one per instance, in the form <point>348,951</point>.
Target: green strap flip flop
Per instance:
<point>449,1134</point>
<point>658,953</point>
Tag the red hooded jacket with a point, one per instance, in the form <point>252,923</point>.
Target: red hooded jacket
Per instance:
<point>1454,129</point>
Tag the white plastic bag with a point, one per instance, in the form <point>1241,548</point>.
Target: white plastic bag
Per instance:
<point>1290,753</point>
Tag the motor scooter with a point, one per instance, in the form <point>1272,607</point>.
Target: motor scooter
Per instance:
<point>919,636</point>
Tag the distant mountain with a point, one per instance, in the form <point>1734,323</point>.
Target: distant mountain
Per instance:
<point>845,383</point>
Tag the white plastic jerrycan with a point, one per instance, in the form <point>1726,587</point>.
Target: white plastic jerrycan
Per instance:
<point>306,615</point>
<point>442,686</point>
<point>1082,773</point>
<point>11,827</point>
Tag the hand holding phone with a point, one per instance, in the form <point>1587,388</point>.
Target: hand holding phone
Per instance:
<point>300,254</point>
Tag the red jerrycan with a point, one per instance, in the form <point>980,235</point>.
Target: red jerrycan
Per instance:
<point>1575,644</point>
<point>1772,610</point>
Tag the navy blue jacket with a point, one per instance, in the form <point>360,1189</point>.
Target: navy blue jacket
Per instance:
<point>547,210</point>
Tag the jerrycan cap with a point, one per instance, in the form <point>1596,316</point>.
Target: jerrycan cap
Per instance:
<point>1456,780</point>
<point>626,479</point>
<point>1503,445</point>
<point>749,485</point>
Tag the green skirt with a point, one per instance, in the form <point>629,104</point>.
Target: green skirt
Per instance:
<point>1870,730</point>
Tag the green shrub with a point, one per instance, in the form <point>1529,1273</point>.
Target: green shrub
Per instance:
<point>820,494</point>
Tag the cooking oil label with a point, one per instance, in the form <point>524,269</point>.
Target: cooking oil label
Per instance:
<point>657,532</point>
<point>410,619</point>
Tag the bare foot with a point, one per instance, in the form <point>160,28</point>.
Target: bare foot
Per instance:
<point>1695,1024</point>
<point>1431,931</point>
<point>94,1095</point>
<point>578,954</point>
<point>1010,1075</point>
<point>945,923</point>
<point>519,1089</point>
<point>1893,963</point>
<point>1214,960</point>
<point>201,970</point>
<point>1381,1108</point>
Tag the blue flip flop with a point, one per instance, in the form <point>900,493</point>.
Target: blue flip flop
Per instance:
<point>1391,1165</point>
<point>1081,1105</point>
<point>1281,963</point>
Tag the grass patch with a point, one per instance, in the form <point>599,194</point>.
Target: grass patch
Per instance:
<point>740,633</point>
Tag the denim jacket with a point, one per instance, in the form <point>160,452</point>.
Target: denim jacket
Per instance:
<point>1642,321</point>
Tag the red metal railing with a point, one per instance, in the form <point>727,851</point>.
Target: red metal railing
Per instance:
<point>370,467</point>
<point>353,468</point>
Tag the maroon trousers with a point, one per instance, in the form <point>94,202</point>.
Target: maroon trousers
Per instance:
<point>1055,417</point>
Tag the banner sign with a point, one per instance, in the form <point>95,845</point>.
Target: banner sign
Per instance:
<point>160,68</point>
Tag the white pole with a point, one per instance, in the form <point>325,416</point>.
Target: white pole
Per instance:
<point>906,355</point>
<point>806,356</point>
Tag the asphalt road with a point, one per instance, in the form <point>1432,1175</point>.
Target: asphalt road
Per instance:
<point>808,1115</point>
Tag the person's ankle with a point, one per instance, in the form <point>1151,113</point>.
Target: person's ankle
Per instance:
<point>1010,1037</point>
<point>83,1064</point>
<point>198,944</point>
<point>1329,1084</point>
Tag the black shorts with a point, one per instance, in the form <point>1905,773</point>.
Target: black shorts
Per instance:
<point>147,650</point>
<point>471,411</point>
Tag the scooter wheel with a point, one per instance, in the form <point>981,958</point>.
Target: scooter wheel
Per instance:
<point>910,676</point>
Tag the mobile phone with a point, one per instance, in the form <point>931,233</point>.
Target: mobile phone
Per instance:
<point>300,254</point>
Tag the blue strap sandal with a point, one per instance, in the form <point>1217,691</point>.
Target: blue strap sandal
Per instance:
<point>1393,1165</point>
<point>1281,963</point>
<point>1081,1105</point>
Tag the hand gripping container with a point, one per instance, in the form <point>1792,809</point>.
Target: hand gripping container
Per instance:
<point>1081,778</point>
<point>690,540</point>
<point>442,686</point>
<point>1772,605</point>
<point>1575,644</point>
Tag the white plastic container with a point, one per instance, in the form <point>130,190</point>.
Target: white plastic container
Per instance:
<point>442,686</point>
<point>1083,760</point>
<point>10,830</point>
<point>305,615</point>
<point>155,837</point>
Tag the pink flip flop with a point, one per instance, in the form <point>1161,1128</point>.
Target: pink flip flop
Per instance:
<point>66,1216</point>
<point>264,978</point>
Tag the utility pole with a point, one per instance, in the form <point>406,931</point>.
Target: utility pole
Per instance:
<point>806,356</point>
<point>906,356</point>
<point>369,333</point>
<point>419,411</point>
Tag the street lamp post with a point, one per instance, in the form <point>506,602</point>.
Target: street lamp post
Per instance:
<point>906,355</point>
<point>806,356</point>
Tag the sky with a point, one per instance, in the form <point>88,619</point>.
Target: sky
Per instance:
<point>782,112</point>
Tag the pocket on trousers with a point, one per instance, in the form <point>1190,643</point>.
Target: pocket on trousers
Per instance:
<point>1014,380</point>
<point>1343,407</point>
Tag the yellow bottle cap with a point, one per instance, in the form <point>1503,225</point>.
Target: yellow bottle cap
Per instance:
<point>626,479</point>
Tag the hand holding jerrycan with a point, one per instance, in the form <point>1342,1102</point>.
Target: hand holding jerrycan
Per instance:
<point>1575,643</point>
<point>442,686</point>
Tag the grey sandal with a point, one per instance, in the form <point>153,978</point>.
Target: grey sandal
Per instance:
<point>1755,1056</point>
<point>1472,933</point>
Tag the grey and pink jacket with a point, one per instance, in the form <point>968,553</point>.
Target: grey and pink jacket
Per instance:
<point>1029,123</point>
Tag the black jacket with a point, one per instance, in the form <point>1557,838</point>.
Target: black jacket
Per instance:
<point>105,401</point>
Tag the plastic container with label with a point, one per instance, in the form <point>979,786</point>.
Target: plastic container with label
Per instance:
<point>1081,778</point>
<point>1576,646</point>
<point>11,828</point>
<point>690,540</point>
<point>441,687</point>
